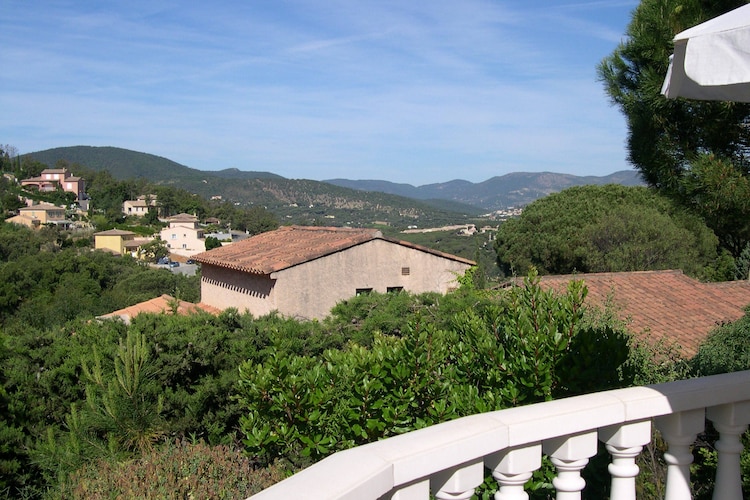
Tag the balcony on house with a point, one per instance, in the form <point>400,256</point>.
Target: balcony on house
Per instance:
<point>449,460</point>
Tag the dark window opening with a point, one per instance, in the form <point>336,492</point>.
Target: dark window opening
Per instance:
<point>395,289</point>
<point>363,291</point>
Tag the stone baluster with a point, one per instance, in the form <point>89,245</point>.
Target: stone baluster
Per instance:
<point>624,442</point>
<point>570,454</point>
<point>513,468</point>
<point>679,431</point>
<point>730,420</point>
<point>458,483</point>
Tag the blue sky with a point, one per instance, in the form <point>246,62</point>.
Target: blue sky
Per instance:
<point>406,91</point>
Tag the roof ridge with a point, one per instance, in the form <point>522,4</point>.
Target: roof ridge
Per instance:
<point>280,249</point>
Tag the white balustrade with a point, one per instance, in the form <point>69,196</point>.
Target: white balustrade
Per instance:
<point>679,431</point>
<point>625,442</point>
<point>449,460</point>
<point>731,420</point>
<point>512,468</point>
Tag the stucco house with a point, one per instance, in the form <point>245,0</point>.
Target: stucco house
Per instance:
<point>51,178</point>
<point>184,236</point>
<point>140,206</point>
<point>40,214</point>
<point>304,271</point>
<point>119,242</point>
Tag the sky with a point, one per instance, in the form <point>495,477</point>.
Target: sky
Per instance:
<point>418,91</point>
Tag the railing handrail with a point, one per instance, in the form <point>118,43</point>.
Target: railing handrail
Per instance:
<point>374,469</point>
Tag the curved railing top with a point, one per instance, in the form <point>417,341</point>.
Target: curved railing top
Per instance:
<point>372,470</point>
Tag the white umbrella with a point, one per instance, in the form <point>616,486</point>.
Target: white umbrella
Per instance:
<point>711,61</point>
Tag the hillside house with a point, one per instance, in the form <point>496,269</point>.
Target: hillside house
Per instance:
<point>41,214</point>
<point>184,236</point>
<point>119,242</point>
<point>52,178</point>
<point>304,271</point>
<point>140,206</point>
<point>664,307</point>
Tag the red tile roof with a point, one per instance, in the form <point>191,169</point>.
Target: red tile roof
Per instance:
<point>292,245</point>
<point>115,232</point>
<point>160,305</point>
<point>665,306</point>
<point>183,217</point>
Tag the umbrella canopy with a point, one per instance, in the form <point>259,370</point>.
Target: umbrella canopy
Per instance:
<point>711,61</point>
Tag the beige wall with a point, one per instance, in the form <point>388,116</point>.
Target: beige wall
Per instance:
<point>138,208</point>
<point>185,241</point>
<point>310,290</point>
<point>113,243</point>
<point>43,215</point>
<point>225,288</point>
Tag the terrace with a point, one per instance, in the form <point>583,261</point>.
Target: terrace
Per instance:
<point>449,460</point>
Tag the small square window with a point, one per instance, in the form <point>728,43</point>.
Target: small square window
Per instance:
<point>405,271</point>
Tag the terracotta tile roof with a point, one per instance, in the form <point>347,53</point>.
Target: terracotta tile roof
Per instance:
<point>41,206</point>
<point>292,245</point>
<point>665,305</point>
<point>136,242</point>
<point>183,217</point>
<point>160,305</point>
<point>115,232</point>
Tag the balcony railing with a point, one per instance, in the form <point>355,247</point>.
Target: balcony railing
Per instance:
<point>449,460</point>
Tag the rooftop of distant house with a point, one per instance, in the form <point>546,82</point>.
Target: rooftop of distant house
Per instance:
<point>165,304</point>
<point>664,306</point>
<point>292,245</point>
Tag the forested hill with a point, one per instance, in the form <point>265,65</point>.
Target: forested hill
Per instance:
<point>127,164</point>
<point>515,189</point>
<point>297,201</point>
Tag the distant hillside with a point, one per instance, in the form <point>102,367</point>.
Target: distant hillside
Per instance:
<point>126,164</point>
<point>515,189</point>
<point>312,200</point>
<point>292,200</point>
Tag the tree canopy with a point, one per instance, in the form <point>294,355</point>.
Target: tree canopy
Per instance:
<point>605,229</point>
<point>694,151</point>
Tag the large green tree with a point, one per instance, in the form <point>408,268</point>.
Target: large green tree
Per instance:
<point>694,151</point>
<point>606,229</point>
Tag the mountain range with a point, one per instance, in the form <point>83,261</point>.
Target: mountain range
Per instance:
<point>509,190</point>
<point>258,187</point>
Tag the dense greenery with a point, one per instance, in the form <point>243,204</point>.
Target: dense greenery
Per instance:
<point>107,195</point>
<point>80,396</point>
<point>522,346</point>
<point>693,151</point>
<point>78,391</point>
<point>609,228</point>
<point>46,280</point>
<point>295,201</point>
<point>726,350</point>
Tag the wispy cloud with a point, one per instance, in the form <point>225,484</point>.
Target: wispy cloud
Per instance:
<point>409,91</point>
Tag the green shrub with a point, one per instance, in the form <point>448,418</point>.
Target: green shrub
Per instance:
<point>519,348</point>
<point>176,470</point>
<point>727,349</point>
